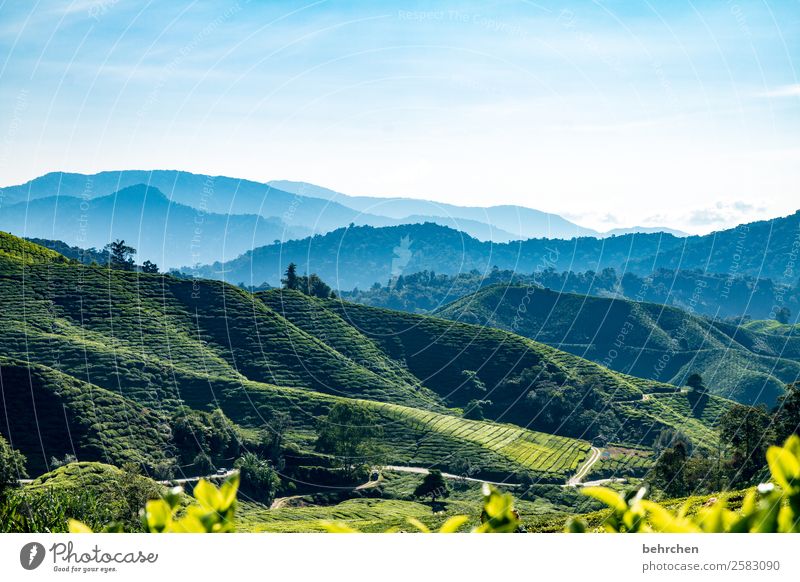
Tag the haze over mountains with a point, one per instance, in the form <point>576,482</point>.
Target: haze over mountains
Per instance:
<point>248,232</point>
<point>520,221</point>
<point>165,232</point>
<point>176,209</point>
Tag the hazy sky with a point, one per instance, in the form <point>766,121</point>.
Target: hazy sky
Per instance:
<point>682,114</point>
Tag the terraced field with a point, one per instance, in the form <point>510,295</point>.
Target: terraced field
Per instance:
<point>677,412</point>
<point>621,461</point>
<point>22,251</point>
<point>536,452</point>
<point>366,515</point>
<point>750,363</point>
<point>107,357</point>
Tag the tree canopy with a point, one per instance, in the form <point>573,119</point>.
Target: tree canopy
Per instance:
<point>433,485</point>
<point>349,432</point>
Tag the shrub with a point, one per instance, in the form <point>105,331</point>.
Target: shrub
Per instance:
<point>12,464</point>
<point>259,480</point>
<point>213,512</point>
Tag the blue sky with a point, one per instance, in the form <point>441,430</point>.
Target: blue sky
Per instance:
<point>684,114</point>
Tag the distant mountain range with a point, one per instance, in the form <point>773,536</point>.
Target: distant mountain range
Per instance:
<point>231,215</point>
<point>521,221</point>
<point>167,233</point>
<point>360,256</point>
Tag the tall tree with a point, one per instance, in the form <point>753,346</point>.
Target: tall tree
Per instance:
<point>786,417</point>
<point>746,430</point>
<point>695,381</point>
<point>120,255</point>
<point>783,315</point>
<point>668,472</point>
<point>258,479</point>
<point>316,287</point>
<point>272,445</point>
<point>290,281</point>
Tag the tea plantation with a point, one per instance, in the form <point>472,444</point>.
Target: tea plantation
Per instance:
<point>116,366</point>
<point>750,363</point>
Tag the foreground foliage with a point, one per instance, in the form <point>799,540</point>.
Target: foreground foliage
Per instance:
<point>213,512</point>
<point>770,508</point>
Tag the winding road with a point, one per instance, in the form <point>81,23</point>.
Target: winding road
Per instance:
<point>423,471</point>
<point>185,480</point>
<point>583,470</point>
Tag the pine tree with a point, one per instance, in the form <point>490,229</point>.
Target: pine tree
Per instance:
<point>290,281</point>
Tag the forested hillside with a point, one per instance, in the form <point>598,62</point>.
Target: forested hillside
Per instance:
<point>722,295</point>
<point>750,364</point>
<point>361,256</point>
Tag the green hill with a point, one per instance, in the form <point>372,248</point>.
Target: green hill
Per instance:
<point>16,249</point>
<point>750,363</point>
<point>109,365</point>
<point>50,414</point>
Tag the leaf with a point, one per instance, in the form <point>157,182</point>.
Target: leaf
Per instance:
<point>766,520</point>
<point>666,522</point>
<point>228,492</point>
<point>157,515</point>
<point>173,496</point>
<point>188,524</point>
<point>336,527</point>
<point>611,498</point>
<point>452,524</point>
<point>207,495</point>
<point>786,520</point>
<point>792,444</point>
<point>418,524</point>
<point>716,519</point>
<point>76,526</point>
<point>784,467</point>
<point>576,525</point>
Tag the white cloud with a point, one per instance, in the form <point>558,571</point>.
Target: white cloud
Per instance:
<point>784,91</point>
<point>726,213</point>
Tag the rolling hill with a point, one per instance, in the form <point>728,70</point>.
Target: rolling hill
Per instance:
<point>749,363</point>
<point>108,365</point>
<point>713,294</point>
